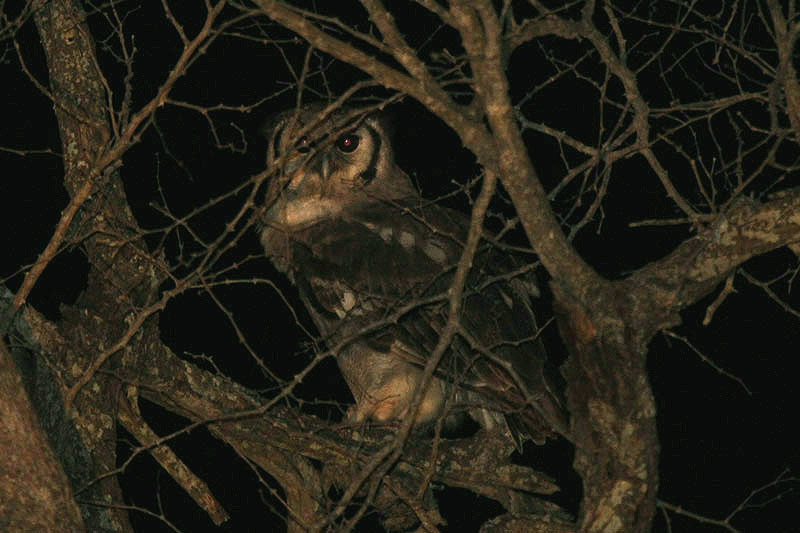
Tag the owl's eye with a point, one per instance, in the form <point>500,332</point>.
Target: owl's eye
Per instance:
<point>347,143</point>
<point>303,145</point>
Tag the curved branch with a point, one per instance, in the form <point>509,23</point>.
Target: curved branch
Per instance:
<point>698,265</point>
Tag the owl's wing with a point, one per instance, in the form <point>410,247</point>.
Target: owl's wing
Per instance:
<point>366,269</point>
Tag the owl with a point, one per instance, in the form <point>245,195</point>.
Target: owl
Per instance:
<point>373,262</point>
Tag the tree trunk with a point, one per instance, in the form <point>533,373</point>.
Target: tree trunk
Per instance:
<point>613,414</point>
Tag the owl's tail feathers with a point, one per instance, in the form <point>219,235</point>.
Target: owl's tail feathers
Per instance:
<point>546,418</point>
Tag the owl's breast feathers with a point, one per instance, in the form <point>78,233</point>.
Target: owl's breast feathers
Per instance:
<point>361,274</point>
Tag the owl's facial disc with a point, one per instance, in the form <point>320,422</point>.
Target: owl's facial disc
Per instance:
<point>329,166</point>
<point>321,178</point>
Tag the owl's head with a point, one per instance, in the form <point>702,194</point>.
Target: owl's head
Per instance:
<point>326,163</point>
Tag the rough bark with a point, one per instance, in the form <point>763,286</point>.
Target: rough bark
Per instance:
<point>614,416</point>
<point>116,270</point>
<point>35,494</point>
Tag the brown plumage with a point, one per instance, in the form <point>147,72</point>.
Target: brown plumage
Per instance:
<point>344,223</point>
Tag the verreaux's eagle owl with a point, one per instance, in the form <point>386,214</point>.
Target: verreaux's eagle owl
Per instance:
<point>345,224</point>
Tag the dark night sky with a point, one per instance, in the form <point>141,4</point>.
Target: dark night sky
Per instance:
<point>718,442</point>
